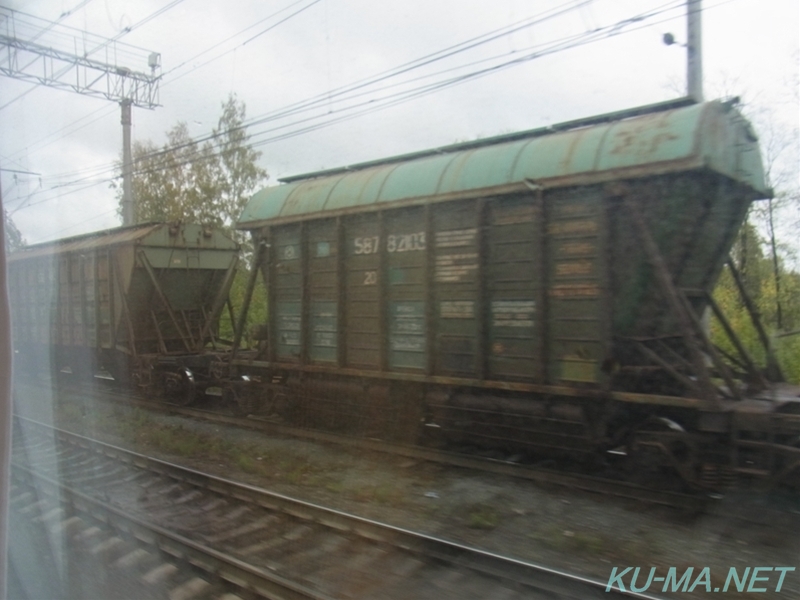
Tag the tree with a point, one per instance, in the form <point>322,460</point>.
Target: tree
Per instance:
<point>238,172</point>
<point>206,182</point>
<point>759,282</point>
<point>763,261</point>
<point>14,239</point>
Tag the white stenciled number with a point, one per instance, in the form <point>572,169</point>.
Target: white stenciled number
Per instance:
<point>406,242</point>
<point>370,277</point>
<point>366,245</point>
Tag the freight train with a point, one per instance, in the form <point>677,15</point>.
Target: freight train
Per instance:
<point>541,291</point>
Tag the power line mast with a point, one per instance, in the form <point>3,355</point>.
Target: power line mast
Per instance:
<point>694,50</point>
<point>46,53</point>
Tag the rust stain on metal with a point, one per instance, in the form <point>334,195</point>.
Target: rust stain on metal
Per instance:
<point>572,227</point>
<point>577,141</point>
<point>575,290</point>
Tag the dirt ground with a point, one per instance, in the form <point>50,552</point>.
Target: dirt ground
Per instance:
<point>572,531</point>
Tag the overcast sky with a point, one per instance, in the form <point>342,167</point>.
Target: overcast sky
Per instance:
<point>210,49</point>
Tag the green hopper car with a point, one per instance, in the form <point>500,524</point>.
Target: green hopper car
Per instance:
<point>541,290</point>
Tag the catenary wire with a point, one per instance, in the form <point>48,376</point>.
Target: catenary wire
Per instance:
<point>421,61</point>
<point>570,42</point>
<point>372,106</point>
<point>328,96</point>
<point>106,42</point>
<point>37,144</point>
<point>611,31</point>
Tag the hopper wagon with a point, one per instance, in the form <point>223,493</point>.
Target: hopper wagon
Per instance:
<point>140,304</point>
<point>543,291</point>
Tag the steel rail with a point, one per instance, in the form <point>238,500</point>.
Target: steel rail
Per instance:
<point>217,564</point>
<point>585,483</point>
<point>536,578</point>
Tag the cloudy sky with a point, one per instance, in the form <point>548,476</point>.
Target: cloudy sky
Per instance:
<point>365,79</point>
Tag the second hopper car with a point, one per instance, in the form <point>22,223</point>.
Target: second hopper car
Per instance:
<point>141,304</point>
<point>540,290</point>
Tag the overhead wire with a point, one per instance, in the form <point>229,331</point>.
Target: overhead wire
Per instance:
<point>238,33</point>
<point>623,26</point>
<point>567,43</point>
<point>373,105</point>
<point>417,63</point>
<point>425,60</point>
<point>395,71</point>
<point>103,113</point>
<point>380,104</point>
<point>104,168</point>
<point>38,142</point>
<point>105,42</point>
<point>402,96</point>
<point>56,234</point>
<point>52,24</point>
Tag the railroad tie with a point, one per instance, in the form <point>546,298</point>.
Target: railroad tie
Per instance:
<point>190,589</point>
<point>213,504</point>
<point>406,566</point>
<point>252,527</point>
<point>502,593</point>
<point>298,532</point>
<point>190,495</point>
<point>261,546</point>
<point>33,507</point>
<point>50,515</point>
<point>133,558</point>
<point>450,580</point>
<point>107,547</point>
<point>160,573</point>
<point>69,526</point>
<point>87,534</point>
<point>22,498</point>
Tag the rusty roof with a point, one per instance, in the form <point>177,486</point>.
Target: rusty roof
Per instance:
<point>711,135</point>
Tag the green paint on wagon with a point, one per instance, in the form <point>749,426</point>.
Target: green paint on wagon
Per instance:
<point>711,136</point>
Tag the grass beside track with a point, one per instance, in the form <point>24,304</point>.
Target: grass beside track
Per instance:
<point>550,525</point>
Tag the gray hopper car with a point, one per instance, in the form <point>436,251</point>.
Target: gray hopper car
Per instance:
<point>139,303</point>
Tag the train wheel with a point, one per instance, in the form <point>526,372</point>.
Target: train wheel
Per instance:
<point>788,475</point>
<point>178,387</point>
<point>242,399</point>
<point>661,453</point>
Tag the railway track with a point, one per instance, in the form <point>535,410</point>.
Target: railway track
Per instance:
<point>692,503</point>
<point>140,554</point>
<point>264,543</point>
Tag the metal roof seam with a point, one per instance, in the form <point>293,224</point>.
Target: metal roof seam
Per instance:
<point>330,192</point>
<point>383,183</point>
<point>517,158</point>
<point>694,136</point>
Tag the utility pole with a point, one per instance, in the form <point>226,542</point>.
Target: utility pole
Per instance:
<point>6,405</point>
<point>128,213</point>
<point>694,50</point>
<point>60,59</point>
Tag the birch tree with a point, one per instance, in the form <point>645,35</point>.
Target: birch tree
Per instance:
<point>205,181</point>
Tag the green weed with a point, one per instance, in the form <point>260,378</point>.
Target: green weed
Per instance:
<point>483,517</point>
